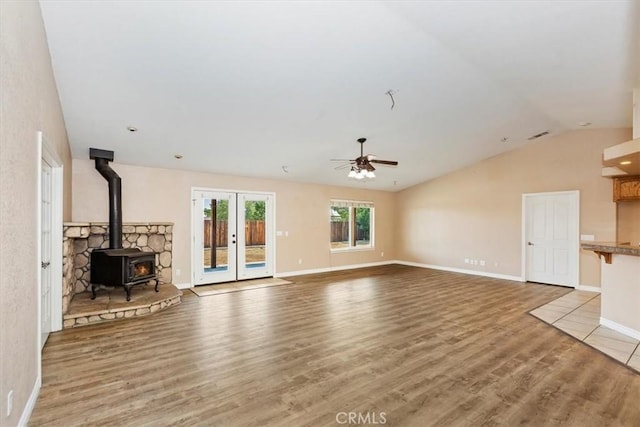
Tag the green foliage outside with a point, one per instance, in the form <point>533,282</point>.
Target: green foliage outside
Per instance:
<point>363,219</point>
<point>254,210</point>
<point>343,214</point>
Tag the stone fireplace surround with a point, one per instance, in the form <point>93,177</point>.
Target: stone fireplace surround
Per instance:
<point>80,238</point>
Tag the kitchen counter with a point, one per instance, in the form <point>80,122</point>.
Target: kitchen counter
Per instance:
<point>606,249</point>
<point>619,285</point>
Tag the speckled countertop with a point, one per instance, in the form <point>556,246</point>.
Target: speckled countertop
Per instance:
<point>612,247</point>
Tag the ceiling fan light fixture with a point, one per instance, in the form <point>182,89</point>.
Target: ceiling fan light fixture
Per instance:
<point>362,166</point>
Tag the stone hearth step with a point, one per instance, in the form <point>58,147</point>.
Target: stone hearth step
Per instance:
<point>113,304</point>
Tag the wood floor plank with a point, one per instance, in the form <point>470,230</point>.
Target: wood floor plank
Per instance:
<point>426,347</point>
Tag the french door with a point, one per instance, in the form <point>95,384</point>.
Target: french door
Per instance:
<point>232,236</point>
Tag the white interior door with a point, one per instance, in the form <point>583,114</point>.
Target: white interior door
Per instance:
<point>232,236</point>
<point>46,245</point>
<point>551,239</point>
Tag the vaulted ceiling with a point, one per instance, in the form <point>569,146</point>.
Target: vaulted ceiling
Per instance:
<point>277,89</point>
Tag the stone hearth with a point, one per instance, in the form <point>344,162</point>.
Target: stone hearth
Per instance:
<point>113,304</point>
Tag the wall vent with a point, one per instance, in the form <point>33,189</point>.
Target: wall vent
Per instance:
<point>536,136</point>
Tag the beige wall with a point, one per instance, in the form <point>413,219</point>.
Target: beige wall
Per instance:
<point>629,222</point>
<point>28,103</point>
<point>151,194</point>
<point>476,212</point>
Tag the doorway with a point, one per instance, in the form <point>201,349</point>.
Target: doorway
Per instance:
<point>551,241</point>
<point>233,236</point>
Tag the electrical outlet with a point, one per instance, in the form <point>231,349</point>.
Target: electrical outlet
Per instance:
<point>381,253</point>
<point>300,261</point>
<point>178,272</point>
<point>482,262</point>
<point>9,402</point>
<point>466,260</point>
<point>495,264</point>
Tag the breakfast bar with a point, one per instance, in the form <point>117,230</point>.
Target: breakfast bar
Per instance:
<point>620,285</point>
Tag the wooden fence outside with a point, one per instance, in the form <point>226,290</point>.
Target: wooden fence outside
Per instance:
<point>340,232</point>
<point>254,233</point>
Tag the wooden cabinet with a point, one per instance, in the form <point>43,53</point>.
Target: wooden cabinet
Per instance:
<point>626,188</point>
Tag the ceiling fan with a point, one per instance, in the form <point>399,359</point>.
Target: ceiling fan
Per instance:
<point>361,167</point>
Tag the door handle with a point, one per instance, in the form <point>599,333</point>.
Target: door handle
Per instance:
<point>45,264</point>
<point>529,243</point>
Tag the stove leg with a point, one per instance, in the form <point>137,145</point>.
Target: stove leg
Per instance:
<point>128,291</point>
<point>93,291</point>
<point>157,283</point>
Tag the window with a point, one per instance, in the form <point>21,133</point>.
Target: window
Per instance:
<point>351,224</point>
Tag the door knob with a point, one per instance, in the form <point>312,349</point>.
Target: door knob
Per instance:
<point>529,243</point>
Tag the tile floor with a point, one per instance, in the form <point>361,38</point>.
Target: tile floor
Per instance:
<point>578,314</point>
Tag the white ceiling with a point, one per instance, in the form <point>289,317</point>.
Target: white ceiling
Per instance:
<point>245,88</point>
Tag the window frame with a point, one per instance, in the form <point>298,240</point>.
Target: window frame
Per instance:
<point>352,243</point>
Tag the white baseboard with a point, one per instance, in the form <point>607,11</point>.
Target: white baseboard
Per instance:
<point>409,263</point>
<point>182,285</point>
<point>588,288</point>
<point>464,271</point>
<point>31,403</point>
<point>336,268</point>
<point>620,328</point>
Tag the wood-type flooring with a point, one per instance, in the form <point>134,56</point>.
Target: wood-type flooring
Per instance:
<point>410,346</point>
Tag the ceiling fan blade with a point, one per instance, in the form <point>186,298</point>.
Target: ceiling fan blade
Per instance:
<point>385,162</point>
<point>346,165</point>
<point>342,160</point>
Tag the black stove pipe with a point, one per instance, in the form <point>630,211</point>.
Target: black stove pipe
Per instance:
<point>102,159</point>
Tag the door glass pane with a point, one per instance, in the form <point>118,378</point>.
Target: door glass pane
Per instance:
<point>216,233</point>
<point>339,227</point>
<point>254,226</point>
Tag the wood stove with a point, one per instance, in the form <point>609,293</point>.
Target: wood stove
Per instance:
<point>117,266</point>
<point>122,267</point>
